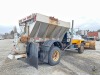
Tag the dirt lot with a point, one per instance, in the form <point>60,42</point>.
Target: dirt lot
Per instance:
<point>71,63</point>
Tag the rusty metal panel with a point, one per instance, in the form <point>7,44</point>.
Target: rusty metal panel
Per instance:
<point>90,45</point>
<point>53,21</point>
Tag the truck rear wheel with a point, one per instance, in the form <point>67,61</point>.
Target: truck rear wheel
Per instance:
<point>81,49</point>
<point>54,56</point>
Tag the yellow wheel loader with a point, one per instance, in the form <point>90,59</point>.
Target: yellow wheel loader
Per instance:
<point>42,39</point>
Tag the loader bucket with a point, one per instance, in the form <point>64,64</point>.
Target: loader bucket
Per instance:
<point>32,55</point>
<point>90,45</point>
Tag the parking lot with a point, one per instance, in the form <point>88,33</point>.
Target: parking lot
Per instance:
<point>71,63</point>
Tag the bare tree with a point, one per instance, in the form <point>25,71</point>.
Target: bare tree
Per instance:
<point>12,32</point>
<point>15,29</point>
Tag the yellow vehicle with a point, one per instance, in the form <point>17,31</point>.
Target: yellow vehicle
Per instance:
<point>77,43</point>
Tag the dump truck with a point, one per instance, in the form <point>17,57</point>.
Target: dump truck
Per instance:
<point>44,38</point>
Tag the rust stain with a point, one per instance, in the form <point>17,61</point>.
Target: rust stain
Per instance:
<point>53,20</point>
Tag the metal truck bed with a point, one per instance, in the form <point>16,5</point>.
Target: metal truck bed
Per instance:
<point>44,27</point>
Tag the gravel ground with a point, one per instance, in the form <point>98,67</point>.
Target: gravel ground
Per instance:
<point>71,63</point>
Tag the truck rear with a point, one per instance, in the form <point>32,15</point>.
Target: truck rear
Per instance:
<point>42,39</point>
<point>42,36</point>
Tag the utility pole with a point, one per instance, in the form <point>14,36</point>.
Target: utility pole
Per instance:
<point>72,32</point>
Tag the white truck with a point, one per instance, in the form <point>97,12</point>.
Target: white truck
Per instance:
<point>45,37</point>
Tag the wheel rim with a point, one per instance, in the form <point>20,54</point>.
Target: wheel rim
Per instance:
<point>55,56</point>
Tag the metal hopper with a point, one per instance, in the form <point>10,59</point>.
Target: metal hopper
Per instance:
<point>44,27</point>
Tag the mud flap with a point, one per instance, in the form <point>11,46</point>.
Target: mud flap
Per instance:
<point>32,55</point>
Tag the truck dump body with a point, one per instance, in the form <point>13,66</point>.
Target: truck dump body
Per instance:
<point>44,27</point>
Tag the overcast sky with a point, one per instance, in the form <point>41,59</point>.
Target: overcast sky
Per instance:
<point>82,11</point>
